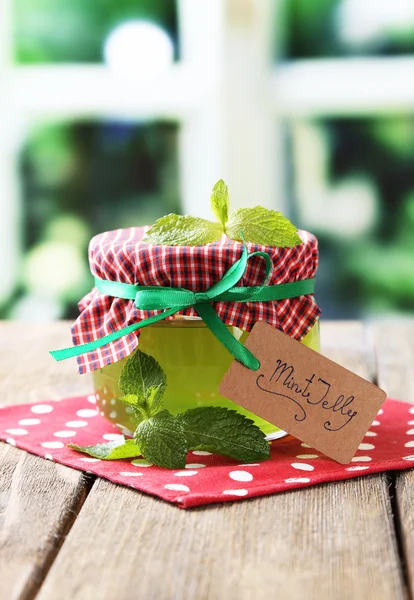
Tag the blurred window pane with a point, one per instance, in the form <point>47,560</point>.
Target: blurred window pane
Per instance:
<point>335,28</point>
<point>83,178</point>
<point>75,31</point>
<point>354,189</point>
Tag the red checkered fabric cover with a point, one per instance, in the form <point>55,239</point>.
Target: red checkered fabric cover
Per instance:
<point>120,256</point>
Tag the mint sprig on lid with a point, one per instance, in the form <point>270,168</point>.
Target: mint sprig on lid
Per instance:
<point>163,438</point>
<point>258,225</point>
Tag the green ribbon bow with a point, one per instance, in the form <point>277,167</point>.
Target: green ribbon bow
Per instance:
<point>172,300</point>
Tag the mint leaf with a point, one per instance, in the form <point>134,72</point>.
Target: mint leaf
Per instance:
<point>224,431</point>
<point>262,226</point>
<point>219,201</point>
<point>175,230</point>
<point>140,375</point>
<point>162,440</point>
<point>130,399</point>
<point>110,451</point>
<point>153,400</point>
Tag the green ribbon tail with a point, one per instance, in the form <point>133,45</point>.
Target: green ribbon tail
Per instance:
<point>73,351</point>
<point>177,299</point>
<point>219,329</point>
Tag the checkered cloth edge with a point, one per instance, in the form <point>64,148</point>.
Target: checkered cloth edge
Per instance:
<point>120,256</point>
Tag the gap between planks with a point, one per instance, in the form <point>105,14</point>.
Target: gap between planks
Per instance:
<point>39,499</point>
<point>39,502</point>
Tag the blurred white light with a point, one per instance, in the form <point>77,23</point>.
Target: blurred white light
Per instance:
<point>350,208</point>
<point>365,21</point>
<point>55,269</point>
<point>37,308</point>
<point>138,50</point>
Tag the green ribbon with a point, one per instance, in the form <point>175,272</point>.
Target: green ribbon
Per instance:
<point>172,300</point>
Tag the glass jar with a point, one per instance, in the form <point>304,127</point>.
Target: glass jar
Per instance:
<point>194,362</point>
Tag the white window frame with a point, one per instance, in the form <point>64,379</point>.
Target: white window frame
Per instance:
<point>225,93</point>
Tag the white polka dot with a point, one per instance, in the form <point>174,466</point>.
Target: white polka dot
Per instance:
<point>113,414</point>
<point>105,390</point>
<point>240,492</point>
<point>112,436</point>
<point>307,456</point>
<point>17,431</point>
<point>91,398</point>
<point>11,441</point>
<point>41,409</point>
<point>407,445</point>
<point>249,465</point>
<point>375,423</point>
<point>201,452</point>
<point>380,412</point>
<point>52,445</point>
<point>139,462</point>
<point>240,476</point>
<point>129,410</point>
<point>64,434</point>
<point>185,473</point>
<point>366,447</point>
<point>104,402</point>
<point>194,466</point>
<point>411,410</point>
<point>86,412</point>
<point>90,459</point>
<point>302,466</point>
<point>357,468</point>
<point>361,459</point>
<point>130,474</point>
<point>102,413</point>
<point>371,434</point>
<point>305,445</point>
<point>297,480</point>
<point>410,422</point>
<point>113,401</point>
<point>29,421</point>
<point>176,487</point>
<point>76,424</point>
<point>408,457</point>
<point>409,432</point>
<point>48,457</point>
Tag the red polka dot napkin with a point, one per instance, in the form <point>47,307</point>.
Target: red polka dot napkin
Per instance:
<point>45,429</point>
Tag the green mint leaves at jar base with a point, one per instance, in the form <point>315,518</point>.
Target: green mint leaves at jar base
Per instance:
<point>224,431</point>
<point>257,225</point>
<point>112,450</point>
<point>164,439</point>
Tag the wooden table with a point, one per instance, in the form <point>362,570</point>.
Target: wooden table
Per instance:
<point>67,535</point>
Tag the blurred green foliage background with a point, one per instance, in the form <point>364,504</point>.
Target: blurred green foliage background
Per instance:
<point>80,178</point>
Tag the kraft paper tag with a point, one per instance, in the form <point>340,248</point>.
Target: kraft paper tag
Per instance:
<point>304,393</point>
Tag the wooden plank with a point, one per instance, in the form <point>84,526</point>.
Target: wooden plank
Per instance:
<point>329,541</point>
<point>38,499</point>
<point>394,350</point>
<point>394,344</point>
<point>38,502</point>
<point>27,371</point>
